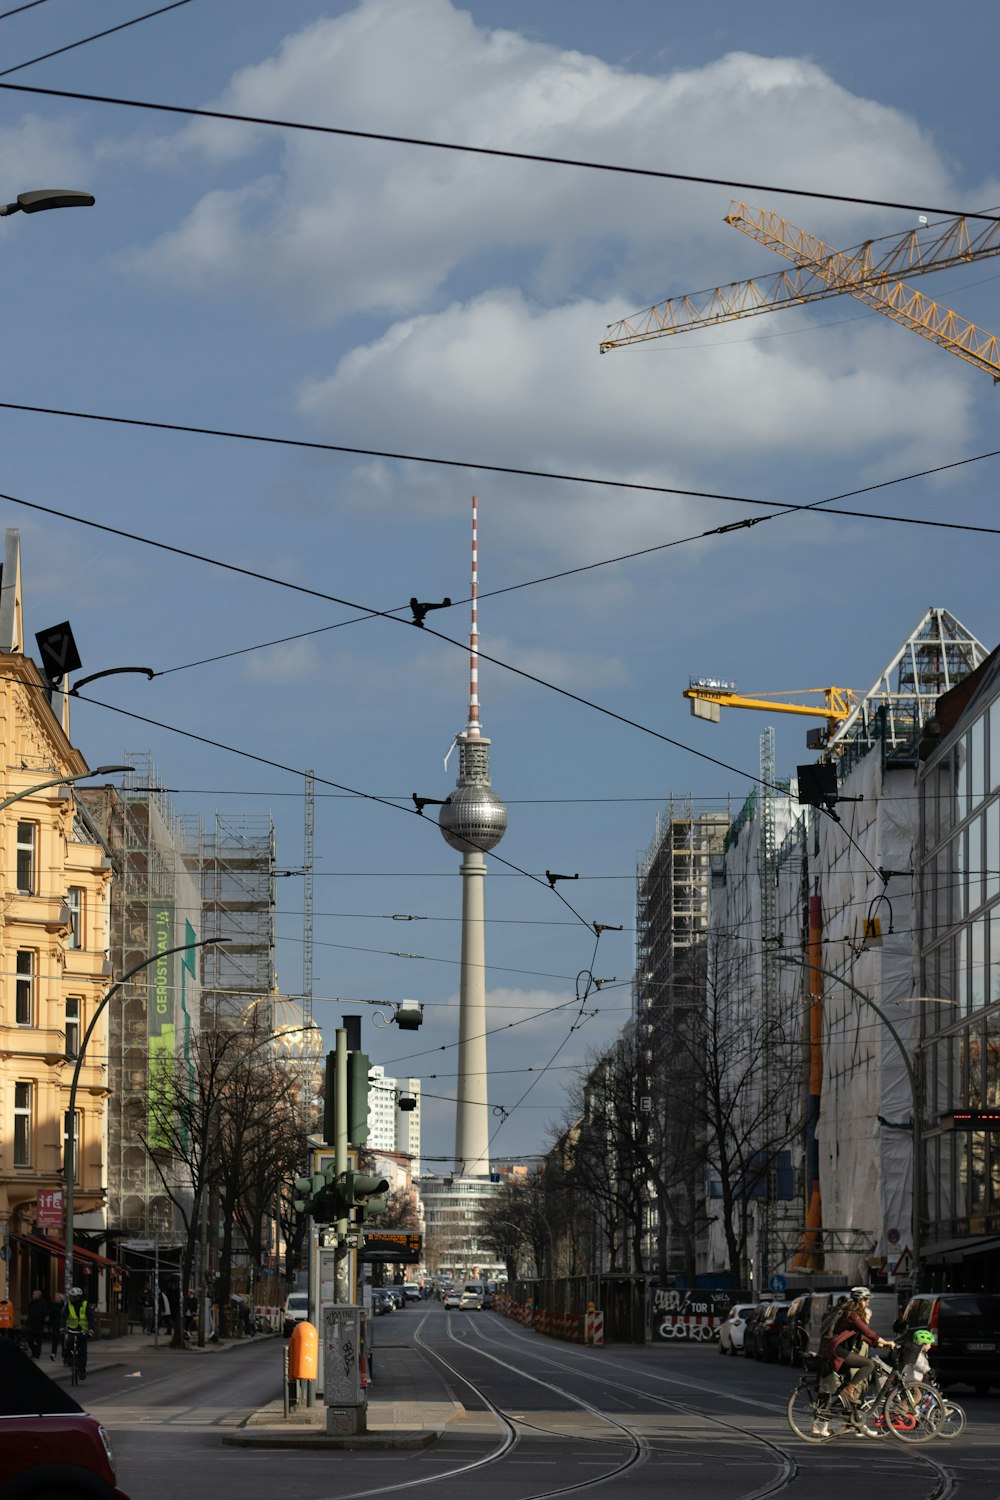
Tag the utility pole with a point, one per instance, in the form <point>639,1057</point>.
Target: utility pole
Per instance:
<point>340,1264</point>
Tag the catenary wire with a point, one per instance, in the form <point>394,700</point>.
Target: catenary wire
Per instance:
<point>190,111</point>
<point>780,506</point>
<point>17,9</point>
<point>94,37</point>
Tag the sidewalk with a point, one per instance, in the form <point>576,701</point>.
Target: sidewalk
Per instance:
<point>131,1349</point>
<point>409,1403</point>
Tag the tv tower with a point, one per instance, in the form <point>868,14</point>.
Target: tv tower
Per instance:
<point>473,820</point>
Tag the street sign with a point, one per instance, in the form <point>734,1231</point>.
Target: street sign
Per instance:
<point>50,1208</point>
<point>778,1283</point>
<point>385,1245</point>
<point>57,649</point>
<point>893,1236</point>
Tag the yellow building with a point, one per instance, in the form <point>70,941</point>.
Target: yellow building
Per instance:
<point>53,967</point>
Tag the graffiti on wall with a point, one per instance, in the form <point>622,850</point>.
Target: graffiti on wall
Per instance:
<point>694,1316</point>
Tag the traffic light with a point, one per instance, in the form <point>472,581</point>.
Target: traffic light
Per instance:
<point>365,1193</point>
<point>308,1191</point>
<point>358,1067</point>
<point>329,1097</point>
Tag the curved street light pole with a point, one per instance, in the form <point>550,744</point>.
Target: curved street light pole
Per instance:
<point>43,786</point>
<point>42,198</point>
<point>69,1162</point>
<point>916,1212</point>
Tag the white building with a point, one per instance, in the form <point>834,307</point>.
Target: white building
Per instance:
<point>392,1126</point>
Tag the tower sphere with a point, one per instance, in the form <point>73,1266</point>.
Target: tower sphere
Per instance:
<point>473,818</point>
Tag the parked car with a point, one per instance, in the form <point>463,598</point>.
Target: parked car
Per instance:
<point>751,1333</point>
<point>49,1446</point>
<point>382,1302</point>
<point>768,1331</point>
<point>296,1311</point>
<point>396,1293</point>
<point>452,1297</point>
<point>793,1335</point>
<point>733,1326</point>
<point>411,1291</point>
<point>966,1326</point>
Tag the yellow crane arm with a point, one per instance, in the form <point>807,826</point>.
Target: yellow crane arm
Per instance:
<point>854,272</point>
<point>820,272</point>
<point>837,702</point>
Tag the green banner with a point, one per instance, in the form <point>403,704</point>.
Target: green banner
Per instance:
<point>161,1027</point>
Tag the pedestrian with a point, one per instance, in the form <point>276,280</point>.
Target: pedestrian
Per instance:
<point>146,1311</point>
<point>57,1324</point>
<point>190,1315</point>
<point>78,1328</point>
<point>35,1323</point>
<point>164,1321</point>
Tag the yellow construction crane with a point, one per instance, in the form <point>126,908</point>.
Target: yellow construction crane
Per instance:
<point>708,695</point>
<point>869,272</point>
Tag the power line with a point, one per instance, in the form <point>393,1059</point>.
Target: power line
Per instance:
<point>94,36</point>
<point>16,11</point>
<point>781,506</point>
<point>494,151</point>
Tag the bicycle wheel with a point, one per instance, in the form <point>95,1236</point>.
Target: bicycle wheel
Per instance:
<point>952,1421</point>
<point>805,1413</point>
<point>913,1412</point>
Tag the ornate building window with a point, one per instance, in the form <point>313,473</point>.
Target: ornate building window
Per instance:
<point>24,988</point>
<point>22,1124</point>
<point>27,834</point>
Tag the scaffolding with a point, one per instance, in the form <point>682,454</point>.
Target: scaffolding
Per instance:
<point>196,883</point>
<point>233,858</point>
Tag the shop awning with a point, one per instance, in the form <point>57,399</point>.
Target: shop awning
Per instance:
<point>80,1252</point>
<point>955,1250</point>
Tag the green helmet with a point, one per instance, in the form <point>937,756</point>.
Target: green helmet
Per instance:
<point>923,1336</point>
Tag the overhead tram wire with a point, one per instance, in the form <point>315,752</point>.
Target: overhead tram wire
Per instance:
<point>191,112</point>
<point>780,507</point>
<point>94,36</point>
<point>324,781</point>
<point>17,9</point>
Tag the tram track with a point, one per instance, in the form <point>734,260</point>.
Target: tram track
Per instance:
<point>946,1482</point>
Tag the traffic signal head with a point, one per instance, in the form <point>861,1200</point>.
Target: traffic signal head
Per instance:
<point>366,1193</point>
<point>307,1191</point>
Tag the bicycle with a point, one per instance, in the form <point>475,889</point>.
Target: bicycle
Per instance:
<point>71,1353</point>
<point>910,1411</point>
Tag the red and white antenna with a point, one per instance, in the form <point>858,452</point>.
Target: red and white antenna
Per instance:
<point>472,728</point>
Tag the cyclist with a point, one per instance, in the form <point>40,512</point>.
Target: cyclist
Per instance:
<point>842,1349</point>
<point>916,1354</point>
<point>77,1328</point>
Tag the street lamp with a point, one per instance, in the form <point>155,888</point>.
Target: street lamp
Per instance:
<point>911,1074</point>
<point>42,198</point>
<point>42,786</point>
<point>69,1162</point>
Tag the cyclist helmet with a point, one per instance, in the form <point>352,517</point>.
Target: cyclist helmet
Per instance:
<point>860,1293</point>
<point>923,1336</point>
<point>76,1291</point>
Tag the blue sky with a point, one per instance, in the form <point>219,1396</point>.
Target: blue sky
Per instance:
<point>385,297</point>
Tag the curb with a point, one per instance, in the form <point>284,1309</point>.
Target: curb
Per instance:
<point>321,1440</point>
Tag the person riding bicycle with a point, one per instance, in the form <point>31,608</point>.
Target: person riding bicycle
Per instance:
<point>78,1328</point>
<point>915,1354</point>
<point>842,1350</point>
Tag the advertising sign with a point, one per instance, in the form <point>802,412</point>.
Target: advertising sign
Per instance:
<point>50,1209</point>
<point>161,1026</point>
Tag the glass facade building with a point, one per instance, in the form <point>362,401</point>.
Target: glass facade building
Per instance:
<point>959,1060</point>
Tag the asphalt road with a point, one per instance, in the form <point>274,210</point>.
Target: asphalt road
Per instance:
<point>540,1418</point>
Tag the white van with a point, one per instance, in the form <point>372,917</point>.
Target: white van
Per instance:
<point>473,1293</point>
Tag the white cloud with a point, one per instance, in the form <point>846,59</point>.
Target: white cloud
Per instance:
<point>498,379</point>
<point>38,153</point>
<point>351,225</point>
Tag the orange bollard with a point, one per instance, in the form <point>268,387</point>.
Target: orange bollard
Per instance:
<point>303,1352</point>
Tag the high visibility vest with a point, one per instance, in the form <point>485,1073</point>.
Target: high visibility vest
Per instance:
<point>76,1317</point>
